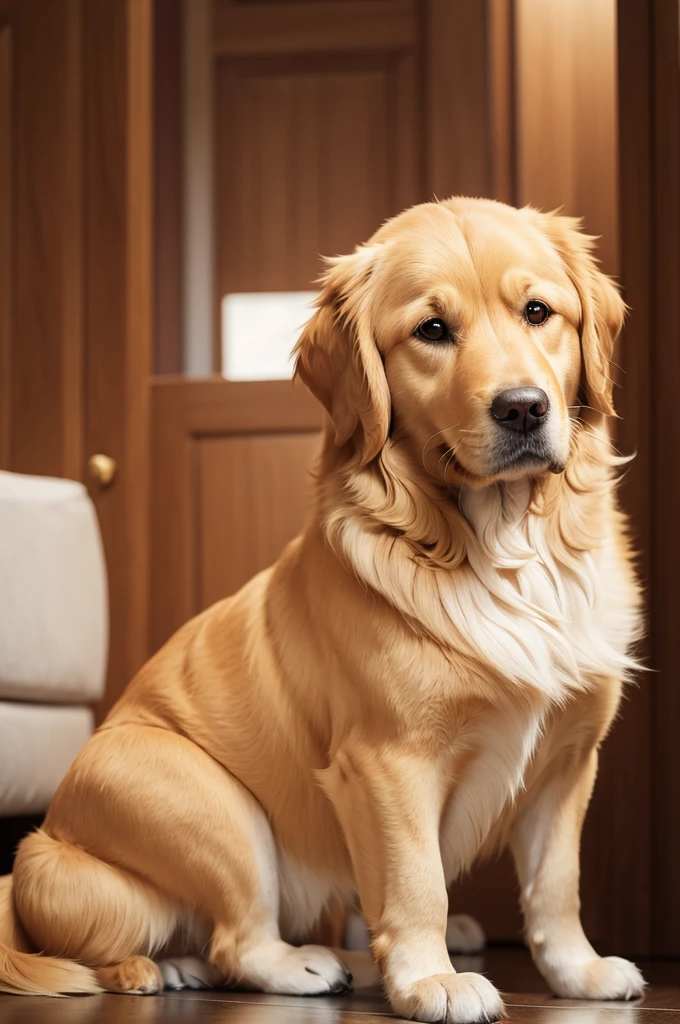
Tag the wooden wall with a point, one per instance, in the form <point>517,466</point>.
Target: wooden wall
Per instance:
<point>75,271</point>
<point>118,276</point>
<point>567,115</point>
<point>649,83</point>
<point>6,234</point>
<point>665,551</point>
<point>41,422</point>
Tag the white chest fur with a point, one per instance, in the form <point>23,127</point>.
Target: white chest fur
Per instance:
<point>528,620</point>
<point>541,616</point>
<point>502,742</point>
<point>557,626</point>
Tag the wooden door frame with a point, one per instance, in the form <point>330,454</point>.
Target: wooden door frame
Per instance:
<point>649,91</point>
<point>41,390</point>
<point>665,553</point>
<point>118,275</point>
<point>6,246</point>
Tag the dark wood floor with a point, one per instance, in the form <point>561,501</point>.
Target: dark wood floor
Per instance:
<point>527,999</point>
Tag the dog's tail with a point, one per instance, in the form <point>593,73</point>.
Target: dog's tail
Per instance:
<point>31,974</point>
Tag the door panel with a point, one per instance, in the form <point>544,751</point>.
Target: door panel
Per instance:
<point>567,113</point>
<point>230,480</point>
<point>327,149</point>
<point>253,495</point>
<point>6,151</point>
<point>118,308</point>
<point>40,238</point>
<point>331,117</point>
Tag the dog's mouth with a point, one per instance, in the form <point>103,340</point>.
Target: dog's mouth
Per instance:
<point>455,471</point>
<point>528,457</point>
<point>526,454</point>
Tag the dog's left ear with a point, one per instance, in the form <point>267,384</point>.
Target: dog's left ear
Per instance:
<point>338,359</point>
<point>602,308</point>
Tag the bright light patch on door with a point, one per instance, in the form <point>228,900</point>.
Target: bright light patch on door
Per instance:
<point>259,330</point>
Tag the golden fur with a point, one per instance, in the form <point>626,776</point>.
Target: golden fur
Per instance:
<point>424,675</point>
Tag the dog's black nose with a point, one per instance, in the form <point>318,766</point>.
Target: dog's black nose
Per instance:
<point>522,409</point>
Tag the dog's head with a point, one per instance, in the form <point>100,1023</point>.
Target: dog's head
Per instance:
<point>468,331</point>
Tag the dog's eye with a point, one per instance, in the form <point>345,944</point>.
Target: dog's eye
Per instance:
<point>433,330</point>
<point>536,313</point>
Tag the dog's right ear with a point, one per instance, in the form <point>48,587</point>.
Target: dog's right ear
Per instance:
<point>338,359</point>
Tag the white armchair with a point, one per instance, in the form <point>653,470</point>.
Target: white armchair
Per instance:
<point>53,634</point>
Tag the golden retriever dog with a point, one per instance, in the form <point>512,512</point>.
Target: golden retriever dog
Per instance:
<point>424,676</point>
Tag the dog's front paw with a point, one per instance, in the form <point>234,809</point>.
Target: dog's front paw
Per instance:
<point>603,978</point>
<point>449,999</point>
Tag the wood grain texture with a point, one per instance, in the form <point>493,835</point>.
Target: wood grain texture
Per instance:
<point>525,994</point>
<point>73,270</point>
<point>626,779</point>
<point>456,67</point>
<point>200,299</point>
<point>567,113</point>
<point>45,419</point>
<point>134,590</point>
<point>185,416</point>
<point>6,241</point>
<point>104,31</point>
<point>328,148</point>
<point>254,494</point>
<point>502,115</point>
<point>119,309</point>
<point>167,123</point>
<point>665,339</point>
<point>331,117</point>
<point>300,27</point>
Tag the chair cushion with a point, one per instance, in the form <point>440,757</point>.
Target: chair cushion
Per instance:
<point>37,744</point>
<point>53,597</point>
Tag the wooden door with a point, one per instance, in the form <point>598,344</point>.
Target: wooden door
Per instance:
<point>118,307</point>
<point>649,48</point>
<point>40,240</point>
<point>75,272</point>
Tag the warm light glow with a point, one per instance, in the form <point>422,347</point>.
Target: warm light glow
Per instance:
<point>259,330</point>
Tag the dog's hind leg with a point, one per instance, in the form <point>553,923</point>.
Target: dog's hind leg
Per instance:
<point>138,976</point>
<point>76,906</point>
<point>247,944</point>
<point>169,816</point>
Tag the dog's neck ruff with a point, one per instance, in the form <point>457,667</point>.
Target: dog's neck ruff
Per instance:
<point>515,595</point>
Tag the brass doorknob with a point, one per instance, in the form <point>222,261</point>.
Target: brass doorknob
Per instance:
<point>102,469</point>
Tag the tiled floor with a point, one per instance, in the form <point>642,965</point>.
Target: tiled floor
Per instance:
<point>526,996</point>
